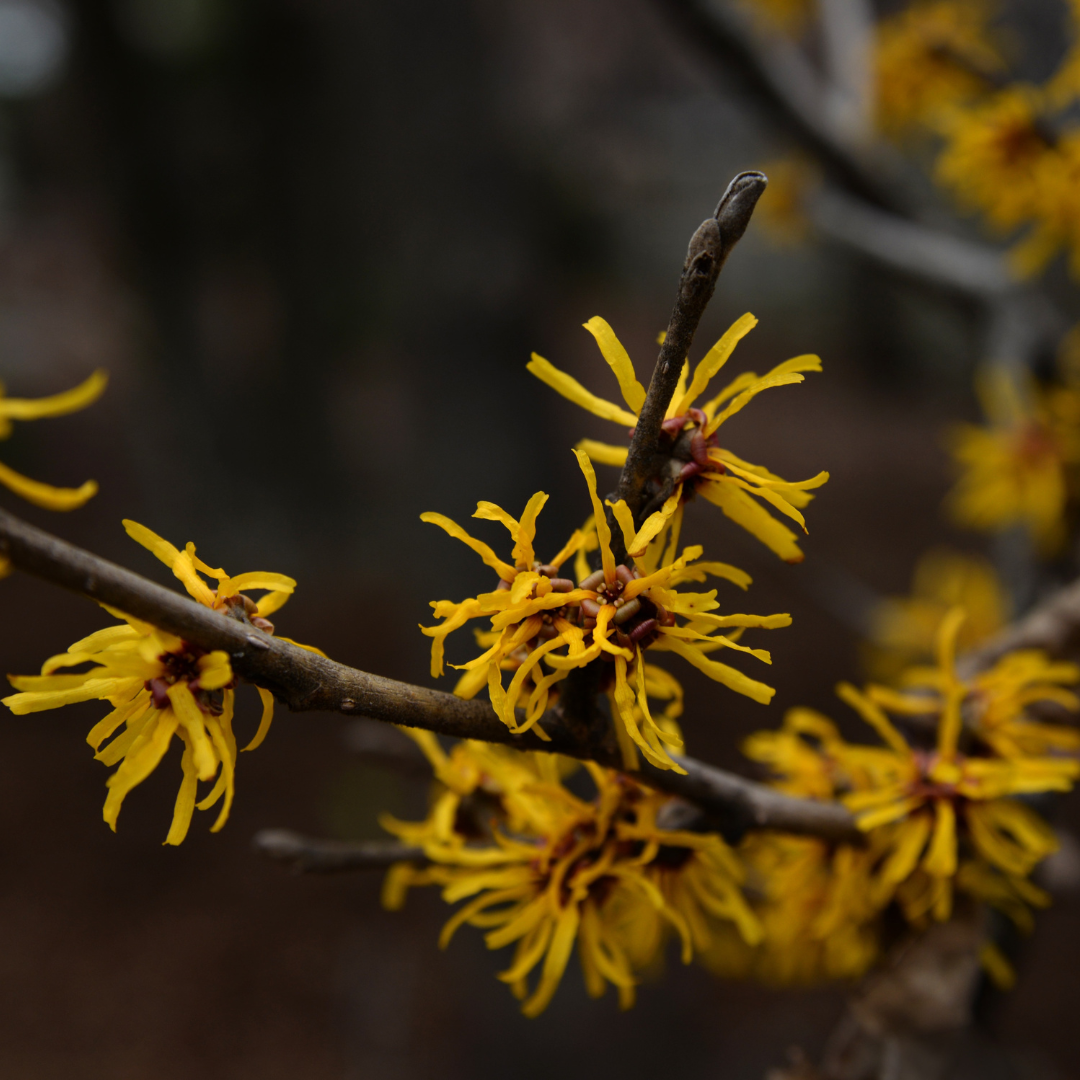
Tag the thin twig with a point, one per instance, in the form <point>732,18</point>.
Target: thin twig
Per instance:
<point>307,682</point>
<point>710,246</point>
<point>307,856</point>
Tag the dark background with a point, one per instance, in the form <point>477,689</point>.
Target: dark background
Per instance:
<point>314,243</point>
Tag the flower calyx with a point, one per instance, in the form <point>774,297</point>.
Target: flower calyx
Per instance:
<point>637,620</point>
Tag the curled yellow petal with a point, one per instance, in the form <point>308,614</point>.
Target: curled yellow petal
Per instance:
<point>45,495</point>
<point>619,361</point>
<point>571,389</point>
<point>86,393</point>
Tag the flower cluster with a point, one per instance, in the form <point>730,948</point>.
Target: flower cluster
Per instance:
<point>544,869</point>
<point>903,629</point>
<point>543,626</point>
<point>161,686</point>
<point>931,57</point>
<point>942,802</point>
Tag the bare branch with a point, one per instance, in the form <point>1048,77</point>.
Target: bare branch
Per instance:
<point>306,856</point>
<point>920,252</point>
<point>1053,626</point>
<point>307,682</point>
<point>847,30</point>
<point>709,248</point>
<point>780,80</point>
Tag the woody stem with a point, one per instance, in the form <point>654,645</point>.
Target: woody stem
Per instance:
<point>709,248</point>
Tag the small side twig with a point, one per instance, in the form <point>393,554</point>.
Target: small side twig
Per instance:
<point>308,856</point>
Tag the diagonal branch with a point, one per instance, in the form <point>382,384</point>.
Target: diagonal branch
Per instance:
<point>307,682</point>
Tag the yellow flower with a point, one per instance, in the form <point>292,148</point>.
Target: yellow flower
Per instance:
<point>903,629</point>
<point>924,808</point>
<point>161,686</point>
<point>930,794</point>
<point>611,617</point>
<point>543,869</point>
<point>1015,471</point>
<point>51,498</point>
<point>993,155</point>
<point>1056,214</point>
<point>816,908</point>
<point>930,57</point>
<point>697,463</point>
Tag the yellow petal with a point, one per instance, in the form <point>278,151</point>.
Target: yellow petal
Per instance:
<point>86,393</point>
<point>940,858</point>
<point>156,545</point>
<point>603,533</point>
<point>741,508</point>
<point>721,673</point>
<point>504,570</point>
<point>143,759</point>
<point>264,723</point>
<point>749,394</point>
<point>625,521</point>
<point>191,719</point>
<point>573,390</point>
<point>185,800</point>
<point>523,553</point>
<point>605,453</point>
<point>714,360</point>
<point>619,361</point>
<point>45,495</point>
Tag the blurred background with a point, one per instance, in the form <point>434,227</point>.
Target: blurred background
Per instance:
<point>314,243</point>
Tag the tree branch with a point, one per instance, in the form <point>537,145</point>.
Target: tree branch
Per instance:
<point>306,856</point>
<point>1053,626</point>
<point>710,246</point>
<point>925,254</point>
<point>307,682</point>
<point>781,81</point>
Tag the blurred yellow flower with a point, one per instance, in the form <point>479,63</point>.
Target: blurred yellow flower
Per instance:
<point>817,912</point>
<point>923,807</point>
<point>929,793</point>
<point>903,629</point>
<point>161,686</point>
<point>44,495</point>
<point>993,154</point>
<point>697,464</point>
<point>545,870</point>
<point>929,57</point>
<point>1015,471</point>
